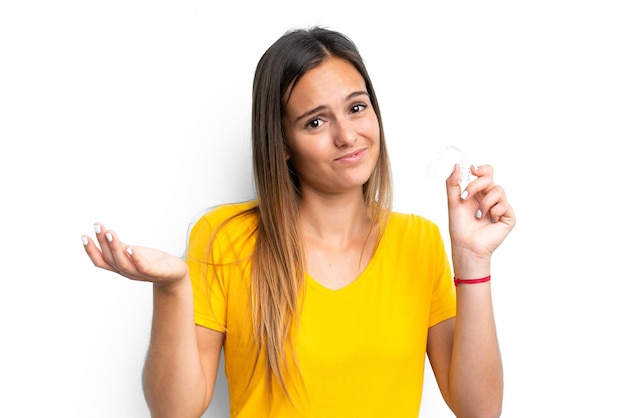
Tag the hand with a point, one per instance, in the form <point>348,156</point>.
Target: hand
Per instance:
<point>480,219</point>
<point>135,263</point>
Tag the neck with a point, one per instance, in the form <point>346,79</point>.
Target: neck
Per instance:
<point>334,218</point>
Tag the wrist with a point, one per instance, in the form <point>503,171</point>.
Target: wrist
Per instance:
<point>468,265</point>
<point>173,287</point>
<point>471,271</point>
<point>478,280</point>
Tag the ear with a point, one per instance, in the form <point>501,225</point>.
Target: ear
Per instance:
<point>287,151</point>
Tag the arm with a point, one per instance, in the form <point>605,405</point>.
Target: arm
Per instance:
<point>465,359</point>
<point>464,351</point>
<point>182,361</point>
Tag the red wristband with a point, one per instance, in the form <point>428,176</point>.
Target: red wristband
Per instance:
<point>471,281</point>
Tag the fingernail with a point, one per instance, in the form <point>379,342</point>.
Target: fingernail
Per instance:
<point>479,213</point>
<point>475,167</point>
<point>129,251</point>
<point>109,236</point>
<point>464,194</point>
<point>85,240</point>
<point>97,228</point>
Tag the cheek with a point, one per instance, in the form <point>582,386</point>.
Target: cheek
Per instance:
<point>371,126</point>
<point>374,134</point>
<point>310,146</point>
<point>302,152</point>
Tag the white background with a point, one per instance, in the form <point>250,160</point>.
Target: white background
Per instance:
<point>136,114</point>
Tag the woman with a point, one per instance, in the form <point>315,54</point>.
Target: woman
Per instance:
<point>324,300</point>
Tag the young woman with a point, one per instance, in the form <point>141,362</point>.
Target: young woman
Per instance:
<point>324,300</point>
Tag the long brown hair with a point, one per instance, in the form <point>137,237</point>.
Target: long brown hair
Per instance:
<point>278,259</point>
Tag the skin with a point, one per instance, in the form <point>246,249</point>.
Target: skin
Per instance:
<point>333,139</point>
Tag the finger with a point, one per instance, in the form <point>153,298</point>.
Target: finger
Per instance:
<point>496,204</point>
<point>121,259</point>
<point>482,170</point>
<point>502,212</point>
<point>483,181</point>
<point>100,231</point>
<point>489,198</point>
<point>143,267</point>
<point>453,186</point>
<point>95,254</point>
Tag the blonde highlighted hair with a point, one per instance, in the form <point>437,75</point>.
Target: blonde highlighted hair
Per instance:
<point>278,260</point>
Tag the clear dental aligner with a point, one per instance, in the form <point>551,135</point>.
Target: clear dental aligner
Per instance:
<point>466,176</point>
<point>454,154</point>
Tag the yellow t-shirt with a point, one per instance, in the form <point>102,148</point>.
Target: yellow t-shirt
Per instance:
<point>360,349</point>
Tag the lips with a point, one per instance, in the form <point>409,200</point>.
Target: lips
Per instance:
<point>351,156</point>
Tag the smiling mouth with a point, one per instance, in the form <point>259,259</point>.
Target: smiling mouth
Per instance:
<point>351,155</point>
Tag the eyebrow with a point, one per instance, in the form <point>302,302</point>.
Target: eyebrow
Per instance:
<point>322,107</point>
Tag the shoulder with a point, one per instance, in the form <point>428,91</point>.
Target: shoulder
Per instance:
<point>226,221</point>
<point>412,224</point>
<point>415,240</point>
<point>407,231</point>
<point>217,216</point>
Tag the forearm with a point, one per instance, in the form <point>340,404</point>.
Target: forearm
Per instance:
<point>480,217</point>
<point>476,380</point>
<point>174,382</point>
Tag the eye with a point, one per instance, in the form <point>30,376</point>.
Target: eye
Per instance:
<point>314,123</point>
<point>358,108</point>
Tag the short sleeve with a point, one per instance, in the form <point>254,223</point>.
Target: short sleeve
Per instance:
<point>444,297</point>
<point>209,294</point>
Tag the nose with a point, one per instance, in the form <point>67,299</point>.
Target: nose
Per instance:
<point>344,133</point>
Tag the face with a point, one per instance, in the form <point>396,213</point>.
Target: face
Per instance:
<point>332,130</point>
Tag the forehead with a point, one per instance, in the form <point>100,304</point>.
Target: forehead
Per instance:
<point>333,78</point>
